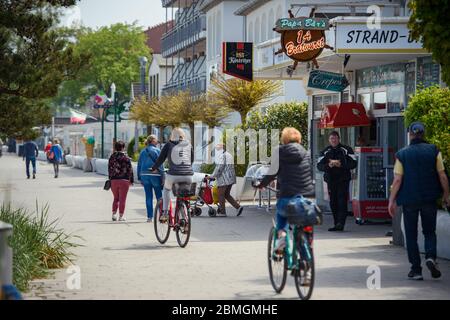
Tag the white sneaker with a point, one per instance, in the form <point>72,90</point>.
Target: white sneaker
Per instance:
<point>149,220</point>
<point>121,218</point>
<point>280,244</point>
<point>114,217</point>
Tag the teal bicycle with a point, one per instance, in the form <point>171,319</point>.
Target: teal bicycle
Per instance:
<point>297,257</point>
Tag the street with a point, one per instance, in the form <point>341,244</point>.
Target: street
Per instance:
<point>225,258</point>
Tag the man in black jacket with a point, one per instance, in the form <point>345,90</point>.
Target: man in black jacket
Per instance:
<point>336,161</point>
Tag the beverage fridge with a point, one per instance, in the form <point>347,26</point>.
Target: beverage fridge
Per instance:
<point>370,188</point>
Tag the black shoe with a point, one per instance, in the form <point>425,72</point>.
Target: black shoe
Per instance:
<point>239,211</point>
<point>34,176</point>
<point>412,275</point>
<point>28,177</point>
<point>337,227</point>
<point>432,266</point>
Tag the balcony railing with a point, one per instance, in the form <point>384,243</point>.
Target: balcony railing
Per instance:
<point>196,85</point>
<point>184,35</point>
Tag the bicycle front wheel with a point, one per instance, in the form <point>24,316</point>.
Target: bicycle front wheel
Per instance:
<point>161,224</point>
<point>277,264</point>
<point>183,224</point>
<point>305,272</point>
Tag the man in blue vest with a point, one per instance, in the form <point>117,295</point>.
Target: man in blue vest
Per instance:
<point>419,179</point>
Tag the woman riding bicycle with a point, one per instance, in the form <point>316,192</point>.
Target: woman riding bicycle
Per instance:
<point>180,155</point>
<point>291,165</point>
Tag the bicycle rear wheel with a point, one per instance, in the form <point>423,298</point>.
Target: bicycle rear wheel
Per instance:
<point>277,264</point>
<point>183,224</point>
<point>305,274</point>
<point>162,229</point>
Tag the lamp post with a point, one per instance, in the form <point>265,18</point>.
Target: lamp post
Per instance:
<point>113,98</point>
<point>143,63</point>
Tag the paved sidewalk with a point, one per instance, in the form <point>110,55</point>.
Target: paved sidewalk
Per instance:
<point>225,258</point>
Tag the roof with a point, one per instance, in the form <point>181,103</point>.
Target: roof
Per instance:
<point>155,33</point>
<point>208,4</point>
<point>250,6</point>
<point>158,58</point>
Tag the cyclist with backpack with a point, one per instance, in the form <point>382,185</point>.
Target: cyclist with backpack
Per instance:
<point>180,155</point>
<point>291,166</point>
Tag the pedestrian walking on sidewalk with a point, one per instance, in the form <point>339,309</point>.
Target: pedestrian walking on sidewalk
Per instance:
<point>419,181</point>
<point>225,176</point>
<point>55,156</point>
<point>291,165</point>
<point>121,176</point>
<point>337,161</point>
<point>30,153</point>
<point>147,159</point>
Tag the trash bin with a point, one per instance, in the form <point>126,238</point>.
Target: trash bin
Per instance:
<point>5,254</point>
<point>20,150</point>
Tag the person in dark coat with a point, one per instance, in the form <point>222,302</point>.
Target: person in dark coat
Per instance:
<point>291,165</point>
<point>337,161</point>
<point>419,181</point>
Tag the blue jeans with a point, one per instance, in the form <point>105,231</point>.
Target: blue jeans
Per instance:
<point>27,165</point>
<point>428,213</point>
<point>151,183</point>
<point>282,223</point>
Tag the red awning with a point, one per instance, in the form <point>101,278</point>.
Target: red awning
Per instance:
<point>347,114</point>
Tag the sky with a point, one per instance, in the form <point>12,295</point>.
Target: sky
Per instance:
<point>98,13</point>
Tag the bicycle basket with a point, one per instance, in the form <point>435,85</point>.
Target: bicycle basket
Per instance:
<point>183,190</point>
<point>303,212</point>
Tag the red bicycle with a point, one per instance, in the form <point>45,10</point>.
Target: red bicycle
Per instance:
<point>179,220</point>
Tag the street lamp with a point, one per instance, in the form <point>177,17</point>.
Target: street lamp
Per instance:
<point>143,62</point>
<point>113,98</point>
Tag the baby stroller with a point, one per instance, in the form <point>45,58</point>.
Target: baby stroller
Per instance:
<point>205,197</point>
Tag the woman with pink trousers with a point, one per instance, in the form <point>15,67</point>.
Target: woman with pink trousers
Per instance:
<point>121,176</point>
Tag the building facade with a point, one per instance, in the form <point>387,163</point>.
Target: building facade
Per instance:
<point>184,45</point>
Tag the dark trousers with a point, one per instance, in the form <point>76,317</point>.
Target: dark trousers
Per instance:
<point>338,192</point>
<point>56,167</point>
<point>27,165</point>
<point>428,213</point>
<point>224,194</point>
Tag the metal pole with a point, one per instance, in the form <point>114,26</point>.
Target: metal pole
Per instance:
<point>103,135</point>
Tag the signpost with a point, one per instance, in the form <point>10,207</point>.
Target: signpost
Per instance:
<point>327,80</point>
<point>238,59</point>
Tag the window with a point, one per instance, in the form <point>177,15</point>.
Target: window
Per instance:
<point>366,100</point>
<point>264,28</point>
<point>218,33</point>
<point>379,100</point>
<point>157,86</point>
<point>270,24</point>
<point>250,32</point>
<point>396,98</point>
<point>257,31</point>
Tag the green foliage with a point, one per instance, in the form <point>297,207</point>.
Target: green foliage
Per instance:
<point>37,242</point>
<point>431,106</point>
<point>130,149</point>
<point>114,53</point>
<point>35,58</point>
<point>282,115</point>
<point>429,24</point>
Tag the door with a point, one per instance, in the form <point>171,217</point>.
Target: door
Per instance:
<point>392,137</point>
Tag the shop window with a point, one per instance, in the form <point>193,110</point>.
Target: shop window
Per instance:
<point>396,98</point>
<point>379,100</point>
<point>366,100</point>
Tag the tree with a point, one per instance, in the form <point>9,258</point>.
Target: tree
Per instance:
<point>114,58</point>
<point>428,24</point>
<point>282,115</point>
<point>35,58</point>
<point>178,109</point>
<point>242,96</point>
<point>431,106</point>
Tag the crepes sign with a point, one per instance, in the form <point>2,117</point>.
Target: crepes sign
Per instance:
<point>238,59</point>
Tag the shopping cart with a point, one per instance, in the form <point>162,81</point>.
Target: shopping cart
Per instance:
<point>205,197</point>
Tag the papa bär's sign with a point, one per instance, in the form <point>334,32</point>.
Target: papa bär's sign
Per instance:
<point>302,39</point>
